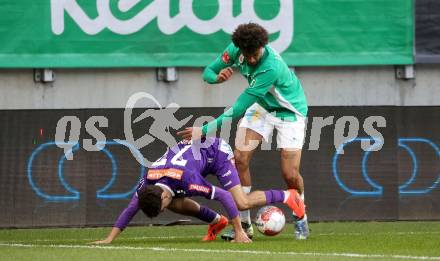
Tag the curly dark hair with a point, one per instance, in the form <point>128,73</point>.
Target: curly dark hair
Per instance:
<point>250,37</point>
<point>150,200</point>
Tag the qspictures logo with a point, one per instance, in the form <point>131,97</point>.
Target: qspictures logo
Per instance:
<point>346,129</point>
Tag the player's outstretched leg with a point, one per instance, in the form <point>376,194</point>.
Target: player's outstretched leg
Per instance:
<point>260,198</point>
<point>215,229</point>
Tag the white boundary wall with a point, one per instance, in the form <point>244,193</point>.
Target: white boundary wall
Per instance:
<point>111,88</point>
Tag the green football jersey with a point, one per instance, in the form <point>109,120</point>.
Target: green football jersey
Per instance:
<point>276,86</point>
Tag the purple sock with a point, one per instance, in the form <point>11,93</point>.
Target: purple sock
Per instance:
<point>206,214</point>
<point>274,196</point>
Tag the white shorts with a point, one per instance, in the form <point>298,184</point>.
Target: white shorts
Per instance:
<point>290,134</point>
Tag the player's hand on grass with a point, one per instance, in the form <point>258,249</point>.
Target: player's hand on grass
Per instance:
<point>101,242</point>
<point>224,75</point>
<point>189,133</point>
<point>113,234</point>
<point>241,237</point>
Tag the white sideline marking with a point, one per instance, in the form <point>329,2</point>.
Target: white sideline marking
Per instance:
<point>95,238</point>
<point>380,233</point>
<point>200,236</point>
<point>222,251</point>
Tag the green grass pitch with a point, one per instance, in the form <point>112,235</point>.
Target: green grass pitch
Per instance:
<point>328,241</point>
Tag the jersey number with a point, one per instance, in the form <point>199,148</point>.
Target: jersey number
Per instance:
<point>176,160</point>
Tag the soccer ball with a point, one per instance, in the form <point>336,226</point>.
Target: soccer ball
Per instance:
<point>270,220</point>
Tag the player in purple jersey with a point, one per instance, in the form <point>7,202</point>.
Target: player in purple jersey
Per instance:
<point>180,173</point>
<point>184,206</point>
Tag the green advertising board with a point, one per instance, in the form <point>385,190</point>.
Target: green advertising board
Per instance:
<point>153,33</point>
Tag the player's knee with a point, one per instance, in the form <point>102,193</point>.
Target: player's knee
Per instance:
<point>291,173</point>
<point>241,160</point>
<point>241,201</point>
<point>243,205</point>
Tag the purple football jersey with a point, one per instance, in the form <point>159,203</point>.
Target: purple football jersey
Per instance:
<point>208,156</point>
<point>182,171</point>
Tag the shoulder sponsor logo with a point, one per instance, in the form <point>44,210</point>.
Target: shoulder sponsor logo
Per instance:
<point>200,188</point>
<point>226,58</point>
<point>155,174</point>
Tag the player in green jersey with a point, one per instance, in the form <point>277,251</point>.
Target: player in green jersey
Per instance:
<point>274,98</point>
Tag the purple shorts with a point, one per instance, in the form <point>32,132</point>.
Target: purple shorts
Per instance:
<point>228,176</point>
